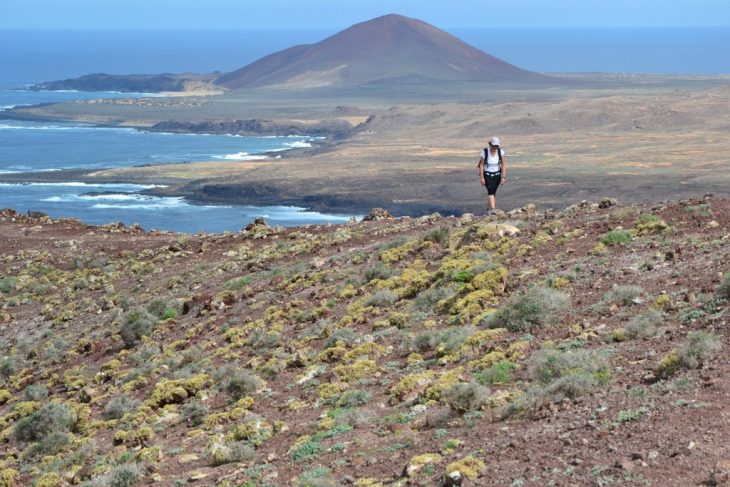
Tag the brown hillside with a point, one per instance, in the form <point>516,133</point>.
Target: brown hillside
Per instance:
<point>386,48</point>
<point>580,348</point>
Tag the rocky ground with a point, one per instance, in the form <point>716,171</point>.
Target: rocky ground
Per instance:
<point>582,347</point>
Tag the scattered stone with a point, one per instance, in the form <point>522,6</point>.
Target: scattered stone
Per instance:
<point>377,214</point>
<point>608,203</point>
<point>36,214</point>
<point>466,218</point>
<point>453,479</point>
<point>256,223</point>
<point>625,464</point>
<point>194,476</point>
<point>187,458</point>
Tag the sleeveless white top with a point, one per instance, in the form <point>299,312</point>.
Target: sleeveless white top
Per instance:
<point>491,162</point>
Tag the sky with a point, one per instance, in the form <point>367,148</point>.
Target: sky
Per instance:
<point>336,14</point>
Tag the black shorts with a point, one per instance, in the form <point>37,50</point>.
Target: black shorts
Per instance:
<point>493,180</point>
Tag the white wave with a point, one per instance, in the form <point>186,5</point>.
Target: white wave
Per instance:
<point>241,156</point>
<point>74,184</point>
<point>298,144</point>
<point>4,126</point>
<point>153,204</point>
<point>117,197</point>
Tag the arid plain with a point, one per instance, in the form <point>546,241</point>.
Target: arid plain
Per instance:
<point>637,138</point>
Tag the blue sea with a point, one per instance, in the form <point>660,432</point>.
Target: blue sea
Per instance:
<point>33,56</point>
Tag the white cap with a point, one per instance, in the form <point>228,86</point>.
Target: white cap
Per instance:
<point>494,141</point>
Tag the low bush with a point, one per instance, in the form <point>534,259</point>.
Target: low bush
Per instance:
<point>35,393</point>
<point>615,237</point>
<point>621,295</point>
<point>644,325</point>
<point>307,451</point>
<point>353,398</point>
<point>499,373</point>
<point>438,235</point>
<point>559,375</point>
<point>723,289</point>
<point>428,299</point>
<point>348,336</point>
<point>242,383</point>
<point>238,283</point>
<point>51,444</point>
<point>125,475</point>
<point>119,406</point>
<point>440,341</point>
<point>233,452</point>
<point>377,271</point>
<point>138,323</point>
<point>698,348</point>
<point>7,284</point>
<point>382,299</point>
<point>194,412</point>
<point>52,418</point>
<point>466,396</point>
<point>535,308</point>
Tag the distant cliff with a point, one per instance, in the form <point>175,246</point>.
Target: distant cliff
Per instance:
<point>129,83</point>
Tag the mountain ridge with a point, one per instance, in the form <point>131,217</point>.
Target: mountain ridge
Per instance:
<point>390,47</point>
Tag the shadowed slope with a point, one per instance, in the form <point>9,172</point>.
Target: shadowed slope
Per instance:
<point>391,47</point>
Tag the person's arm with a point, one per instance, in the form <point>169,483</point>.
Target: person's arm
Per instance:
<point>504,168</point>
<point>481,171</point>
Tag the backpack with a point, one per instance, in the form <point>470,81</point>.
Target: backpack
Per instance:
<point>486,153</point>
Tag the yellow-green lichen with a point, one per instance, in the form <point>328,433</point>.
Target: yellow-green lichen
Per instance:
<point>468,467</point>
<point>356,371</point>
<point>176,391</point>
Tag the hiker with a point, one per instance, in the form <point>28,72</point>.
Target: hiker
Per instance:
<point>492,171</point>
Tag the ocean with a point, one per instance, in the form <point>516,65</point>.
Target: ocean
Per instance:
<point>33,56</point>
<point>41,146</point>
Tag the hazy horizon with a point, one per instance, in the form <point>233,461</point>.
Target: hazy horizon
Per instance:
<point>333,14</point>
<point>44,55</point>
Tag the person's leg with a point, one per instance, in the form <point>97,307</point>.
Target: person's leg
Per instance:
<point>491,202</point>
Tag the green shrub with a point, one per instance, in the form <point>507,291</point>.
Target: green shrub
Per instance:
<point>353,398</point>
<point>615,237</point>
<point>559,375</point>
<point>194,412</point>
<point>138,323</point>
<point>440,341</point>
<point>344,335</point>
<point>644,324</point>
<point>119,406</point>
<point>698,348</point>
<point>242,383</point>
<point>535,308</point>
<point>125,475</point>
<point>378,271</point>
<point>238,283</point>
<point>382,299</point>
<point>466,396</point>
<point>317,477</point>
<point>307,451</point>
<point>499,373</point>
<point>438,235</point>
<point>52,418</point>
<point>621,295</point>
<point>462,276</point>
<point>723,289</point>
<point>35,393</point>
<point>428,299</point>
<point>7,284</point>
<point>234,452</point>
<point>51,444</point>
<point>263,340</point>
